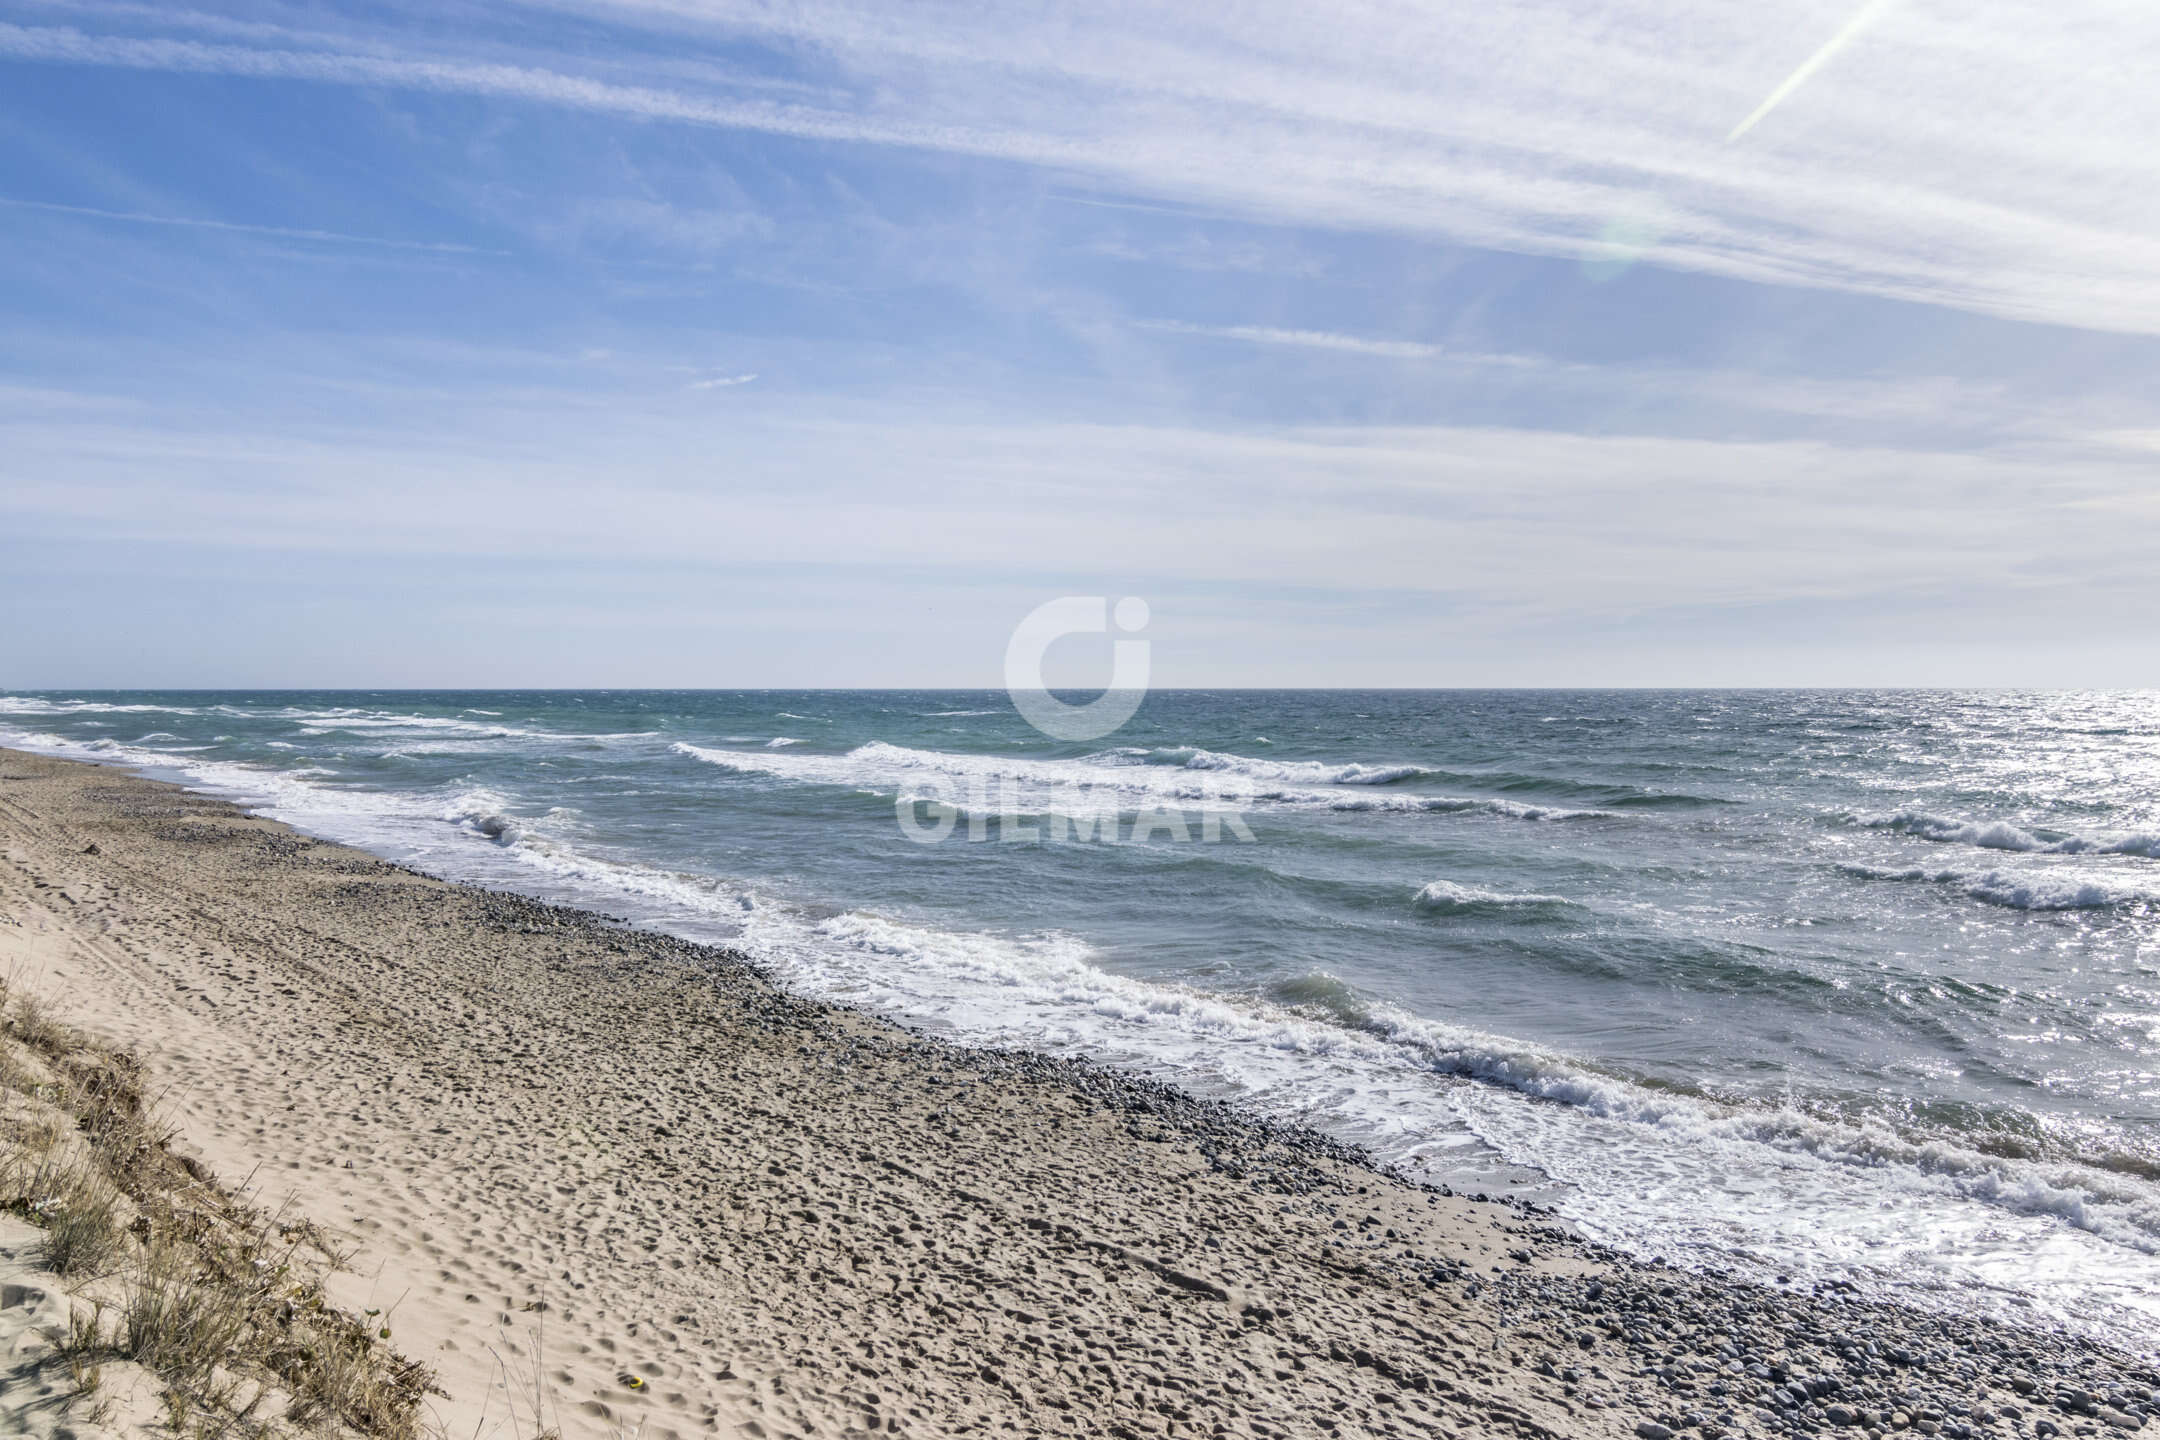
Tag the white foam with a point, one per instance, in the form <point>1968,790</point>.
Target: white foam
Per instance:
<point>38,705</point>
<point>2137,842</point>
<point>2002,835</point>
<point>285,794</point>
<point>2052,892</point>
<point>394,726</point>
<point>1120,774</point>
<point>1447,897</point>
<point>1296,772</point>
<point>2025,889</point>
<point>313,721</point>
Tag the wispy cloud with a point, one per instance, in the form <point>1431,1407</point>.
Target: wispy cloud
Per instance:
<point>1988,158</point>
<point>2147,441</point>
<point>1303,339</point>
<point>281,232</point>
<point>1512,522</point>
<point>65,45</point>
<point>1468,532</point>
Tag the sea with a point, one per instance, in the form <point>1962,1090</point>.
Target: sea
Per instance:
<point>1853,988</point>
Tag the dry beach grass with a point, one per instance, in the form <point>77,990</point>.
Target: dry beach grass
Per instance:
<point>611,1183</point>
<point>133,1258</point>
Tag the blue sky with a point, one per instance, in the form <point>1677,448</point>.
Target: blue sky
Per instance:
<point>685,342</point>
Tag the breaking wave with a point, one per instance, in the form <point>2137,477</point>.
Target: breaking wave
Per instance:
<point>2002,835</point>
<point>966,781</point>
<point>1445,897</point>
<point>1329,772</point>
<point>2020,891</point>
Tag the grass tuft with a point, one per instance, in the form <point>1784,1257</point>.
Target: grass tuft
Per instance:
<point>180,1325</point>
<point>217,1297</point>
<point>38,1030</point>
<point>82,1228</point>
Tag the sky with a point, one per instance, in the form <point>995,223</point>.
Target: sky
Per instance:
<point>704,343</point>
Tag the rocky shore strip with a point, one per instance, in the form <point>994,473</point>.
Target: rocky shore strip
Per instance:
<point>608,1182</point>
<point>1712,1357</point>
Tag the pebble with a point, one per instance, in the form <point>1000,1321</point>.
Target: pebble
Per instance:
<point>1705,1355</point>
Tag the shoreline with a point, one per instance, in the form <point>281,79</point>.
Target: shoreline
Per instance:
<point>1425,1031</point>
<point>776,1211</point>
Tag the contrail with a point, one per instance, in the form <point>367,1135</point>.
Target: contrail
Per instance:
<point>282,231</point>
<point>1862,18</point>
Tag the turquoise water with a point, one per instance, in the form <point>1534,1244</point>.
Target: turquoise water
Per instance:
<point>1858,985</point>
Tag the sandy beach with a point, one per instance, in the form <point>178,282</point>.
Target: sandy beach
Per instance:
<point>605,1182</point>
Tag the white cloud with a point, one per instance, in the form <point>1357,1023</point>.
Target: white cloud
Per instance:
<point>722,382</point>
<point>2144,440</point>
<point>1983,155</point>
